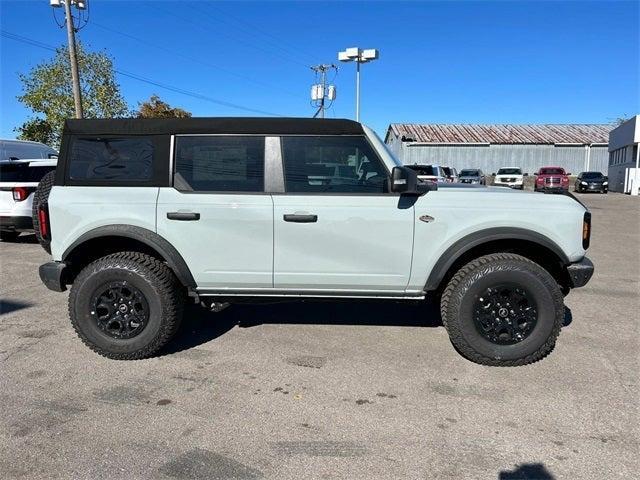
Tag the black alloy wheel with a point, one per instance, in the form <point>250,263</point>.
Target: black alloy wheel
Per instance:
<point>120,310</point>
<point>505,314</point>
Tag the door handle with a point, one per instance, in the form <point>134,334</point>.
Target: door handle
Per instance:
<point>300,218</point>
<point>184,216</point>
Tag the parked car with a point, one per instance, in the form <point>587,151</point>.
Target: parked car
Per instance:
<point>553,179</point>
<point>511,177</point>
<point>429,173</point>
<point>591,182</point>
<point>472,175</point>
<point>144,213</point>
<point>18,182</point>
<point>451,174</point>
<point>25,150</point>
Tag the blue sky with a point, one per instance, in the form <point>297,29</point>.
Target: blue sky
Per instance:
<point>440,62</point>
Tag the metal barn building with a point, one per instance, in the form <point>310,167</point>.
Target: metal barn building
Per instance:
<point>576,148</point>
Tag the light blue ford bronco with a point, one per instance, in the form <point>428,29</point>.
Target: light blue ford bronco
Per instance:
<point>143,214</point>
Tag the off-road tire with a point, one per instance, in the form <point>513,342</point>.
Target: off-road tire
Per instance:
<point>460,294</point>
<point>41,197</point>
<point>9,236</point>
<point>153,278</point>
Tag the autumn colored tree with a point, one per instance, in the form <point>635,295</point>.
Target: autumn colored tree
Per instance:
<point>156,108</point>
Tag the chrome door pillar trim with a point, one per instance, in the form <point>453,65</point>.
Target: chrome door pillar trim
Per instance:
<point>273,172</point>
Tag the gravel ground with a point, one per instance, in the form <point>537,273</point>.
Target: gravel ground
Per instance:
<point>325,390</point>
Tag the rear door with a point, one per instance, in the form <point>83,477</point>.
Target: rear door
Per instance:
<point>336,227</point>
<point>217,214</point>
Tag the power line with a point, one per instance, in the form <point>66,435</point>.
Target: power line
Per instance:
<point>207,28</point>
<point>36,43</point>
<point>192,59</point>
<point>253,29</point>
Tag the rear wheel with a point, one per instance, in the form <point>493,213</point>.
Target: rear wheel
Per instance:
<point>9,235</point>
<point>503,310</point>
<point>126,306</point>
<point>41,197</point>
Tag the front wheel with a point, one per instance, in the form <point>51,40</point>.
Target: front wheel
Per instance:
<point>126,306</point>
<point>503,310</point>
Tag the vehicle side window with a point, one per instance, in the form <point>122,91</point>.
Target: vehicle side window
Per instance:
<point>332,164</point>
<point>123,159</point>
<point>220,163</point>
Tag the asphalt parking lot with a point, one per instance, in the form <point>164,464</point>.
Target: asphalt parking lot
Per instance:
<point>325,390</point>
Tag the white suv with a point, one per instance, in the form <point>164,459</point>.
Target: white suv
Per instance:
<point>509,177</point>
<point>18,182</point>
<point>144,213</point>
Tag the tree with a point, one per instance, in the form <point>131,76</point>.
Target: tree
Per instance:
<point>38,130</point>
<point>46,90</point>
<point>156,108</point>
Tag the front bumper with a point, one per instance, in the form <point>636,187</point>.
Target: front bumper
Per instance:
<point>17,224</point>
<point>580,272</point>
<point>509,184</point>
<point>52,275</point>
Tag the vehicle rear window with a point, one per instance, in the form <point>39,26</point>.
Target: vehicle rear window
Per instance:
<point>22,172</point>
<point>332,164</point>
<point>123,159</point>
<point>221,163</point>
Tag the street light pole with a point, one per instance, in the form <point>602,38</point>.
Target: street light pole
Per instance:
<point>75,78</point>
<point>357,91</point>
<point>355,54</point>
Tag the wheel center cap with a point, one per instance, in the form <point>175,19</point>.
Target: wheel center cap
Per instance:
<point>122,308</point>
<point>503,312</point>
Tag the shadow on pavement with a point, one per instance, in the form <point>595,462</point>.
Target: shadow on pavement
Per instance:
<point>8,306</point>
<point>26,238</point>
<point>527,471</point>
<point>200,326</point>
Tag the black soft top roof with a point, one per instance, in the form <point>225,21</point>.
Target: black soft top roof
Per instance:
<point>220,125</point>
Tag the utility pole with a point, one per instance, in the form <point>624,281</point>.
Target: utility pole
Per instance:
<point>72,29</point>
<point>319,91</point>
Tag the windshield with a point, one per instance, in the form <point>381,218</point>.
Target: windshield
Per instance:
<point>22,172</point>
<point>470,173</point>
<point>551,171</point>
<point>423,169</point>
<point>592,175</point>
<point>509,171</point>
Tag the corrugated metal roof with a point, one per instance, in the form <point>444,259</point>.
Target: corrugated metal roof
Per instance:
<point>501,134</point>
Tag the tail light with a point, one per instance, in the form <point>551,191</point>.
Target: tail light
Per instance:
<point>43,222</point>
<point>586,230</point>
<point>20,193</point>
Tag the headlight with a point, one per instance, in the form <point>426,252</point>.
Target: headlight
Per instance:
<point>583,183</point>
<point>605,183</point>
<point>475,181</point>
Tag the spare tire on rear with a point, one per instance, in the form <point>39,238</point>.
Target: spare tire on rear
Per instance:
<point>41,197</point>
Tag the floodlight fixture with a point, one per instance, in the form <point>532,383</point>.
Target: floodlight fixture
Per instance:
<point>355,54</point>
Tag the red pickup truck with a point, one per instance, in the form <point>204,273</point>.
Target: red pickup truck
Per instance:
<point>551,178</point>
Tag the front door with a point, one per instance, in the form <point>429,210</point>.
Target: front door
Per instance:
<point>337,229</point>
<point>217,214</point>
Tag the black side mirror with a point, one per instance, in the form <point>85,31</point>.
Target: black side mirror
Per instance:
<point>493,174</point>
<point>526,175</point>
<point>405,181</point>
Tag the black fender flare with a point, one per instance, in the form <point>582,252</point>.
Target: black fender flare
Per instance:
<point>151,239</point>
<point>460,247</point>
